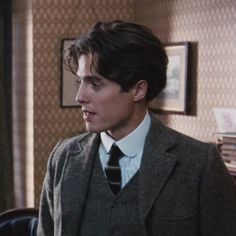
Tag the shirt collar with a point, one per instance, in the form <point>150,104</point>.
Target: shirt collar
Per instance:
<point>133,143</point>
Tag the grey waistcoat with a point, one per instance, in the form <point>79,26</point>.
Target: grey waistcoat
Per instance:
<point>109,215</point>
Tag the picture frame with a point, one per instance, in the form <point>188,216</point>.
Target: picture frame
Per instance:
<point>174,98</point>
<point>69,86</point>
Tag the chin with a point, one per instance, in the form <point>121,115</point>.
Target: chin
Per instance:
<point>93,129</point>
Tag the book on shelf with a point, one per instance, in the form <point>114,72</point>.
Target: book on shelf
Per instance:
<point>228,152</point>
<point>229,135</point>
<point>228,159</point>
<point>226,138</point>
<point>231,167</point>
<point>226,143</point>
<point>228,146</point>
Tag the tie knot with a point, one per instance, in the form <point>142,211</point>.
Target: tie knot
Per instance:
<point>115,154</point>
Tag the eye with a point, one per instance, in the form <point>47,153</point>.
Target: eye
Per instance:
<point>95,84</point>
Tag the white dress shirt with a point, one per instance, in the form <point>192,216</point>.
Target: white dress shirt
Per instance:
<point>131,145</point>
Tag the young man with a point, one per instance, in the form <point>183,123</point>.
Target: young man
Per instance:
<point>163,182</point>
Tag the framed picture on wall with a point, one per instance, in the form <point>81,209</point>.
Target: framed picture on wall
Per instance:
<point>173,99</point>
<point>69,86</point>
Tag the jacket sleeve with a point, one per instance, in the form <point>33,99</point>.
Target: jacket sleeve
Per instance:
<point>217,198</point>
<point>46,207</point>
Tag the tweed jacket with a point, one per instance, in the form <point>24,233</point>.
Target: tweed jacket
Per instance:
<point>184,189</point>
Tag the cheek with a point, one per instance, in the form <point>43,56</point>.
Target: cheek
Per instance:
<point>111,105</point>
<point>116,110</point>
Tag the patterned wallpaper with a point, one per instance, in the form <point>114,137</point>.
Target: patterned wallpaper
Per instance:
<point>209,24</point>
<point>211,28</point>
<point>53,21</point>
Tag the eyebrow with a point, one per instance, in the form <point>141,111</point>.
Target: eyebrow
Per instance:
<point>94,77</point>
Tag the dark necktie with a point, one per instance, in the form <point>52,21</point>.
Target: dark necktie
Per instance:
<point>112,169</point>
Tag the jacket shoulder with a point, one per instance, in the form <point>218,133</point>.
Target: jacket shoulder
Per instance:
<point>180,144</point>
<point>166,134</point>
<point>71,144</point>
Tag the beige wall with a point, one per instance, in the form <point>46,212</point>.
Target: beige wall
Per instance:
<point>209,24</point>
<point>53,21</point>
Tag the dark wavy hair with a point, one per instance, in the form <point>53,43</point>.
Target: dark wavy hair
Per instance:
<point>123,52</point>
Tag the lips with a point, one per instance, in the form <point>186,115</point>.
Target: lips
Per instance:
<point>88,115</point>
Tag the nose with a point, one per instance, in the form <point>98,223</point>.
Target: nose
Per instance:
<point>81,97</point>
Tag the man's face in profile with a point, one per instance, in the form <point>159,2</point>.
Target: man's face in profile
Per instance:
<point>105,106</point>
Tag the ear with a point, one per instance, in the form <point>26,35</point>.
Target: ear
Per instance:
<point>140,90</point>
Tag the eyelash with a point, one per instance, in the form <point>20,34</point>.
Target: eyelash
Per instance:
<point>95,84</point>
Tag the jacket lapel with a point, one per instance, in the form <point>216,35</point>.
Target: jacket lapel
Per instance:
<point>156,167</point>
<point>75,182</point>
